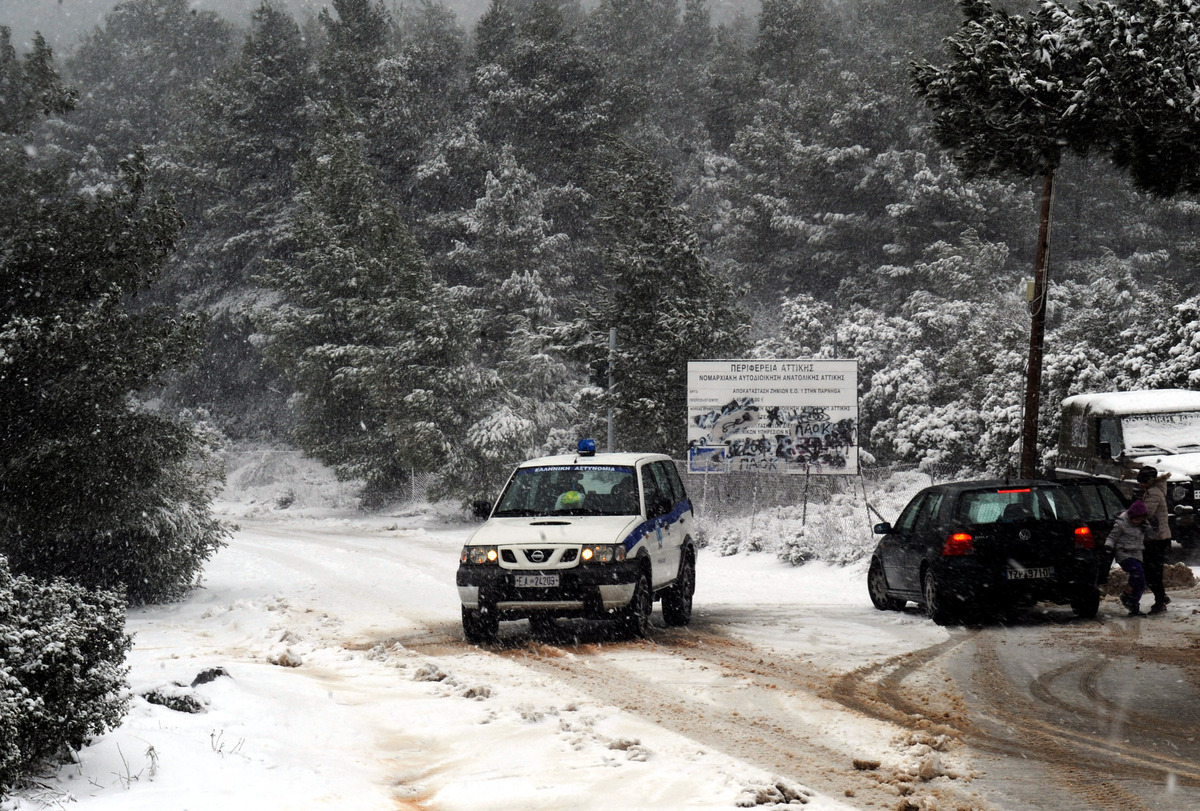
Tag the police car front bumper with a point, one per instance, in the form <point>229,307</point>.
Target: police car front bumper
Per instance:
<point>594,591</point>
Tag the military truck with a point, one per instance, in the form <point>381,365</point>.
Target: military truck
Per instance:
<point>1111,434</point>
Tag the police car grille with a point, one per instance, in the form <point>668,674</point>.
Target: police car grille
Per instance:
<point>538,555</point>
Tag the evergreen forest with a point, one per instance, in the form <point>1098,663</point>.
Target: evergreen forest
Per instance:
<point>401,243</point>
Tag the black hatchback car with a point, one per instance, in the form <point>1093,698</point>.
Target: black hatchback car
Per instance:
<point>965,549</point>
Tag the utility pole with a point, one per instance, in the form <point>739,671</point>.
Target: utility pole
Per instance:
<point>612,354</point>
<point>1037,333</point>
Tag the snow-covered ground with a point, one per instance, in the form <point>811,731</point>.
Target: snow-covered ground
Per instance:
<point>325,656</point>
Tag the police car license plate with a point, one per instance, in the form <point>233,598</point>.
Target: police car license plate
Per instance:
<point>1036,573</point>
<point>535,581</point>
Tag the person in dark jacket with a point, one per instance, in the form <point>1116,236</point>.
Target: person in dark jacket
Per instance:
<point>1127,540</point>
<point>1158,536</point>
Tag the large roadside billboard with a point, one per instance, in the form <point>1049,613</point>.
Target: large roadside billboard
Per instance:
<point>773,416</point>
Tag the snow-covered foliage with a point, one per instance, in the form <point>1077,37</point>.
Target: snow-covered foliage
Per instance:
<point>833,525</point>
<point>377,350</point>
<point>795,176</point>
<point>662,297</point>
<point>94,486</point>
<point>62,670</point>
<point>939,379</point>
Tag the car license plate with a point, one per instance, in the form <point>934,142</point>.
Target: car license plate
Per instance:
<point>1036,573</point>
<point>535,581</point>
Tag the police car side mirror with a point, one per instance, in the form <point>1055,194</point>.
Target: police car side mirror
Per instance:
<point>883,529</point>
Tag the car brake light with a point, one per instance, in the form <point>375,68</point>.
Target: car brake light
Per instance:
<point>960,543</point>
<point>1084,539</point>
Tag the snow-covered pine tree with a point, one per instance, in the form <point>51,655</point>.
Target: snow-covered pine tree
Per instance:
<point>658,291</point>
<point>94,487</point>
<point>541,91</point>
<point>423,90</point>
<point>63,678</point>
<point>136,69</point>
<point>247,126</point>
<point>358,34</point>
<point>515,271</point>
<point>30,86</point>
<point>1144,82</point>
<point>377,350</point>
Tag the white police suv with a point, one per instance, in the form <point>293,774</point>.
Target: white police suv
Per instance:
<point>599,536</point>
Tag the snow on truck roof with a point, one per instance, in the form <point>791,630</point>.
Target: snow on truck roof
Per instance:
<point>1135,402</point>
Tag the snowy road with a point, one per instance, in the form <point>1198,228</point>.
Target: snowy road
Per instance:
<point>349,686</point>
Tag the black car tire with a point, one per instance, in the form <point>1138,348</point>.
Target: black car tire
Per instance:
<point>677,600</point>
<point>937,602</point>
<point>479,627</point>
<point>877,588</point>
<point>637,617</point>
<point>1086,604</point>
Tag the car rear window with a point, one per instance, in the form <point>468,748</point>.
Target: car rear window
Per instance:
<point>1014,504</point>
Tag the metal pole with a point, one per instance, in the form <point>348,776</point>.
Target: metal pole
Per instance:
<point>612,354</point>
<point>1037,332</point>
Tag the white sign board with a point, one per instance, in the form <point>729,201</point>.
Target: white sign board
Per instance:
<point>773,416</point>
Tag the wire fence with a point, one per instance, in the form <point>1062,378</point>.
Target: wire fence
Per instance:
<point>286,476</point>
<point>728,495</point>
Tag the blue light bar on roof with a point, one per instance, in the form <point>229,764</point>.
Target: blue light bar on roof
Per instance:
<point>587,447</point>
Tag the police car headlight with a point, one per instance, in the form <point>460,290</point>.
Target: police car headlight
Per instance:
<point>479,555</point>
<point>604,553</point>
<point>1180,493</point>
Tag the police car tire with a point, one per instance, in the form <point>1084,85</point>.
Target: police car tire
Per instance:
<point>677,600</point>
<point>479,628</point>
<point>637,618</point>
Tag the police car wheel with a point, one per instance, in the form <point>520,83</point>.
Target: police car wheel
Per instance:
<point>677,601</point>
<point>478,627</point>
<point>637,618</point>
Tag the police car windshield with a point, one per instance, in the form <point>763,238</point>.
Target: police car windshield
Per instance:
<point>564,490</point>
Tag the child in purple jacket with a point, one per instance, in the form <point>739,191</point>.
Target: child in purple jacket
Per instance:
<point>1127,540</point>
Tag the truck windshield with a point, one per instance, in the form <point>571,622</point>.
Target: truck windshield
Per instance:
<point>1177,432</point>
<point>561,490</point>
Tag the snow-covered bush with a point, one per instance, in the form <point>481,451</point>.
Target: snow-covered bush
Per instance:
<point>833,527</point>
<point>135,516</point>
<point>62,670</point>
<point>836,532</point>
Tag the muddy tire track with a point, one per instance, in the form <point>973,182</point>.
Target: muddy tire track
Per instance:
<point>878,690</point>
<point>766,737</point>
<point>1007,717</point>
<point>1010,707</point>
